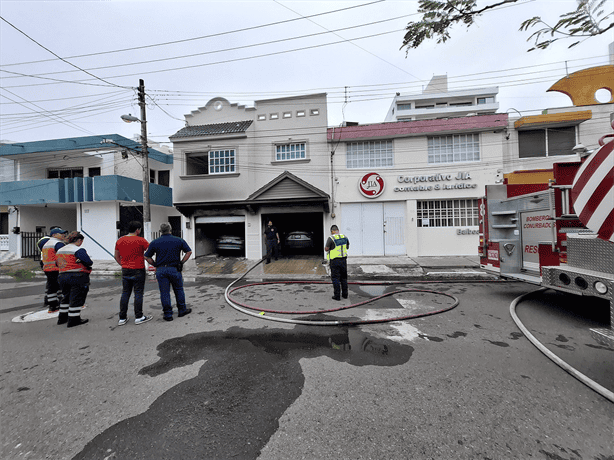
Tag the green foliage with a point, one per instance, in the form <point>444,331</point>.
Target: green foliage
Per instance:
<point>23,274</point>
<point>586,21</point>
<point>438,16</point>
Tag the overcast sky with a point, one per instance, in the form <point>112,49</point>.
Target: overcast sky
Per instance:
<point>252,50</point>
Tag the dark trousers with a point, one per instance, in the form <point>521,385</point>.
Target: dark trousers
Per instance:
<point>272,249</point>
<point>75,287</point>
<point>51,291</point>
<point>132,279</point>
<point>167,277</point>
<point>339,276</point>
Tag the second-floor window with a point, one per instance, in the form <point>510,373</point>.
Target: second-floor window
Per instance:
<point>546,142</point>
<point>213,162</point>
<point>370,154</point>
<point>222,161</point>
<point>457,148</point>
<point>486,100</point>
<point>286,152</point>
<point>64,173</point>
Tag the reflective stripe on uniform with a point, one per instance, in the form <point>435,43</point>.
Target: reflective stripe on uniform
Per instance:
<point>340,249</point>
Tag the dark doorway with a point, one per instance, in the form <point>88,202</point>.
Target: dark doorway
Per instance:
<point>126,215</point>
<point>295,231</point>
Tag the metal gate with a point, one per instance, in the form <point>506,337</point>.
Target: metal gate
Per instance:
<point>29,249</point>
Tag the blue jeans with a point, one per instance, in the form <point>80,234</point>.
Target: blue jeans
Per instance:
<point>132,279</point>
<point>167,277</point>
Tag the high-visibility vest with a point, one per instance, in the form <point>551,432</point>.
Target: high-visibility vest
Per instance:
<point>49,256</point>
<point>67,260</point>
<point>340,249</point>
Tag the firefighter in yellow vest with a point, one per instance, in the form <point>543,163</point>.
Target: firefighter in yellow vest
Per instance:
<point>75,267</point>
<point>49,250</point>
<point>336,249</point>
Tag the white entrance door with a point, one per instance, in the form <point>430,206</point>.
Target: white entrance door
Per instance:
<point>394,226</point>
<point>374,229</point>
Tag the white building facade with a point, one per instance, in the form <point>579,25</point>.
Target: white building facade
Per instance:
<point>412,188</point>
<point>239,167</point>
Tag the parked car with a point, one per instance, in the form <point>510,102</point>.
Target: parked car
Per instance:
<point>230,243</point>
<point>299,240</point>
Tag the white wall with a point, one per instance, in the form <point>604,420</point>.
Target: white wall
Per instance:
<point>98,220</point>
<point>64,216</point>
<point>34,166</point>
<point>443,241</point>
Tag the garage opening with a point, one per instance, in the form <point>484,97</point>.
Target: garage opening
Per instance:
<point>224,236</point>
<point>299,233</point>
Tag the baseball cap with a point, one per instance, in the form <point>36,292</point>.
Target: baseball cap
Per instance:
<point>56,231</point>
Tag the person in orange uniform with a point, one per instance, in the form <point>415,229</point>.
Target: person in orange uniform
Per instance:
<point>49,249</point>
<point>129,251</point>
<point>75,267</point>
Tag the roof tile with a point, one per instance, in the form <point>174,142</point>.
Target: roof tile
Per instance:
<point>231,127</point>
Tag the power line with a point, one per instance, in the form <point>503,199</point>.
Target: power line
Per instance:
<point>59,57</point>
<point>205,36</point>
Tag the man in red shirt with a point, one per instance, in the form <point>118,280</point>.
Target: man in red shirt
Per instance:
<point>129,251</point>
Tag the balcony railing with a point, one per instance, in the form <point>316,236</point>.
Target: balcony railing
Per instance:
<point>82,189</point>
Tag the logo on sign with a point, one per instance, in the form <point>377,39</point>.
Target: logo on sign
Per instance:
<point>371,185</point>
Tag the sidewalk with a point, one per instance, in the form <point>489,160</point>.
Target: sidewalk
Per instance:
<point>299,267</point>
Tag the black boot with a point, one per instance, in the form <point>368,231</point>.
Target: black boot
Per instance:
<point>62,318</point>
<point>76,321</point>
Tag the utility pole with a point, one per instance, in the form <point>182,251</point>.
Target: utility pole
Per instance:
<point>146,205</point>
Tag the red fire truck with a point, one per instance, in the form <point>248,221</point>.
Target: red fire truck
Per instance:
<point>559,234</point>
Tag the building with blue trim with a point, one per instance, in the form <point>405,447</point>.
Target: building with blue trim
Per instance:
<point>92,184</point>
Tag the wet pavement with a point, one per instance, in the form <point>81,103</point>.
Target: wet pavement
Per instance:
<point>464,384</point>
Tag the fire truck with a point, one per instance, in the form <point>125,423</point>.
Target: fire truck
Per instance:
<point>558,234</point>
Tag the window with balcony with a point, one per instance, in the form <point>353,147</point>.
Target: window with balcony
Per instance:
<point>486,100</point>
<point>213,162</point>
<point>93,172</point>
<point>288,152</point>
<point>404,106</point>
<point>164,178</point>
<point>457,148</point>
<point>64,173</point>
<point>370,154</point>
<point>447,213</point>
<point>546,142</point>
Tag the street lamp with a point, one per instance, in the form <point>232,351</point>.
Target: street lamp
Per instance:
<point>143,121</point>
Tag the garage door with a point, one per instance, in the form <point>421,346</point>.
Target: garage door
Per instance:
<point>374,229</point>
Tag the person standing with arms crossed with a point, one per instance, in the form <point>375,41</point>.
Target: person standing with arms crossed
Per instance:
<point>168,262</point>
<point>336,248</point>
<point>129,253</point>
<point>49,249</point>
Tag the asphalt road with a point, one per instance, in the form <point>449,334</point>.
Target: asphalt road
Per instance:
<point>464,384</point>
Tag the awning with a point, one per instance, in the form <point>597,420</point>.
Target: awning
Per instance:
<point>553,120</point>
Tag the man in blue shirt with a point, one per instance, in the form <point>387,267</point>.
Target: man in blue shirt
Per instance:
<point>168,262</point>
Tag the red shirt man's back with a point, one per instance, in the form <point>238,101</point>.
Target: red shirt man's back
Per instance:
<point>131,249</point>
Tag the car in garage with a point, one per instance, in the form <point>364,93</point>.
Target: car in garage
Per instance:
<point>230,244</point>
<point>299,240</point>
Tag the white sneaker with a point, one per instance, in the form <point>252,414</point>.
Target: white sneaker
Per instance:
<point>122,322</point>
<point>143,319</point>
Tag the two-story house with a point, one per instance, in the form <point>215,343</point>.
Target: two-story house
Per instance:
<point>239,167</point>
<point>91,184</point>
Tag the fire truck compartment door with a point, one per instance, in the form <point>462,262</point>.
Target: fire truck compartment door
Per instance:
<point>535,228</point>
